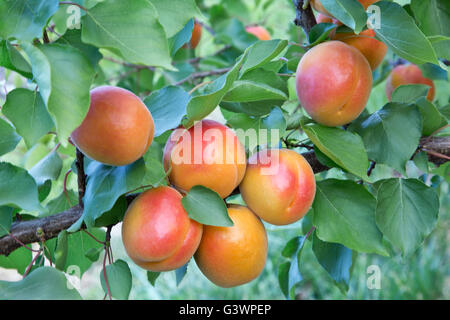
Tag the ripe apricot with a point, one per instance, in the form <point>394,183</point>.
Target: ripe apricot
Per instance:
<point>318,6</point>
<point>322,18</point>
<point>231,256</point>
<point>207,154</point>
<point>372,49</point>
<point>196,35</point>
<point>118,128</point>
<point>282,195</point>
<point>157,233</point>
<point>333,83</point>
<point>408,74</point>
<point>259,32</point>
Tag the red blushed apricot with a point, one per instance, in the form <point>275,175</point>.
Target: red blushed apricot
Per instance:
<point>207,154</point>
<point>232,256</point>
<point>278,186</point>
<point>196,35</point>
<point>318,6</point>
<point>118,128</point>
<point>408,74</point>
<point>372,49</point>
<point>259,32</point>
<point>157,233</point>
<point>333,83</point>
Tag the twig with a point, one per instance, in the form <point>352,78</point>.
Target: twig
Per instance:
<point>371,167</point>
<point>304,16</point>
<point>81,177</point>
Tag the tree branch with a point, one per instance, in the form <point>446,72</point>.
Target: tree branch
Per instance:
<point>26,231</point>
<point>304,17</point>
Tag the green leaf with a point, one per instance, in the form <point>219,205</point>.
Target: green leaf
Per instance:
<point>174,14</point>
<point>45,283</point>
<point>349,12</point>
<point>232,32</point>
<point>25,19</point>
<point>391,134</point>
<point>262,52</point>
<point>336,259</point>
<point>93,253</point>
<point>400,33</point>
<point>8,137</point>
<point>12,59</point>
<point>249,91</point>
<point>206,206</point>
<point>152,276</point>
<point>61,251</point>
<point>64,76</point>
<point>18,260</point>
<point>343,147</point>
<point>104,186</point>
<point>409,93</point>
<point>320,33</point>
<point>406,212</point>
<point>289,272</point>
<point>48,168</point>
<point>137,36</point>
<point>344,213</point>
<point>182,37</point>
<point>18,188</point>
<point>119,279</point>
<point>432,118</point>
<point>180,273</point>
<point>202,105</point>
<point>62,202</point>
<point>155,174</point>
<point>167,106</point>
<point>5,220</point>
<point>433,72</point>
<point>27,112</point>
<point>433,16</point>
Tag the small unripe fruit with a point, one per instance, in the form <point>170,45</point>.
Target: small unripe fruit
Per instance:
<point>259,32</point>
<point>232,256</point>
<point>333,83</point>
<point>157,233</point>
<point>118,128</point>
<point>279,186</point>
<point>207,154</point>
<point>408,74</point>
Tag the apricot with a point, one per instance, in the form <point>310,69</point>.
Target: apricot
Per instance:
<point>259,32</point>
<point>322,18</point>
<point>157,233</point>
<point>232,256</point>
<point>283,194</point>
<point>118,128</point>
<point>372,49</point>
<point>196,35</point>
<point>207,154</point>
<point>408,74</point>
<point>318,6</point>
<point>333,83</point>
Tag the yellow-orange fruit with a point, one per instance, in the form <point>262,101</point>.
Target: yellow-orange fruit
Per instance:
<point>408,74</point>
<point>259,32</point>
<point>322,18</point>
<point>118,128</point>
<point>372,49</point>
<point>318,6</point>
<point>157,233</point>
<point>333,83</point>
<point>207,154</point>
<point>196,35</point>
<point>278,186</point>
<point>231,256</point>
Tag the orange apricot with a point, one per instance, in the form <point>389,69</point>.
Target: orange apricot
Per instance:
<point>157,233</point>
<point>196,35</point>
<point>232,256</point>
<point>259,32</point>
<point>408,74</point>
<point>118,128</point>
<point>333,83</point>
<point>278,186</point>
<point>207,154</point>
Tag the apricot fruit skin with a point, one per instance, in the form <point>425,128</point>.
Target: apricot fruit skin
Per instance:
<point>221,163</point>
<point>196,35</point>
<point>286,194</point>
<point>232,256</point>
<point>260,32</point>
<point>372,49</point>
<point>408,74</point>
<point>157,233</point>
<point>333,81</point>
<point>118,128</point>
